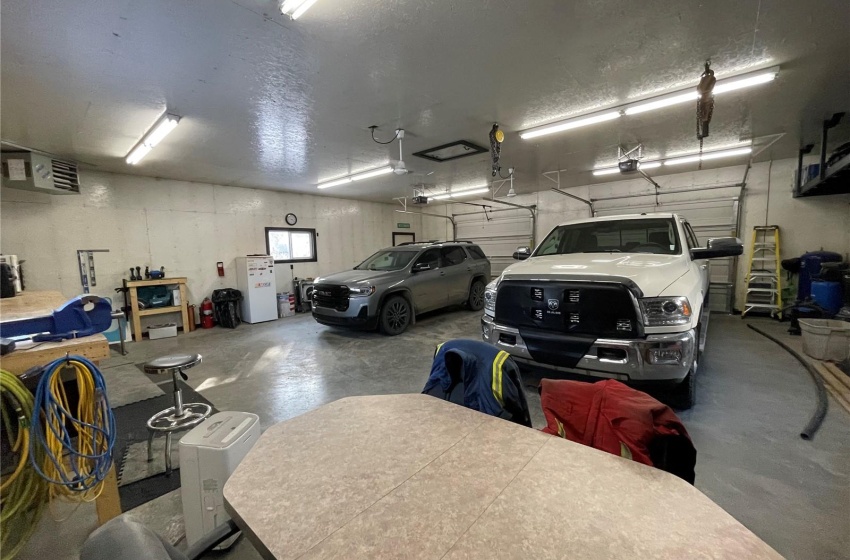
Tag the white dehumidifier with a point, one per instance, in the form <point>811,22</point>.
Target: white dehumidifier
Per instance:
<point>208,456</point>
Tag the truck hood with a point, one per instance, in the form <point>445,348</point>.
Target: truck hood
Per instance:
<point>651,273</point>
<point>351,277</point>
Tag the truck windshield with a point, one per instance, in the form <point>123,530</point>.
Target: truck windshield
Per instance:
<point>657,236</point>
<point>388,259</point>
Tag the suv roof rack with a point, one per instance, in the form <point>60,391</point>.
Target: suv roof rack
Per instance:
<point>463,241</point>
<point>409,243</point>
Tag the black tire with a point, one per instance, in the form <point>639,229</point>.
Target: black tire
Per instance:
<point>395,316</point>
<point>476,296</point>
<point>683,395</point>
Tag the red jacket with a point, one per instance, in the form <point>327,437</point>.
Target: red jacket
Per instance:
<point>615,418</point>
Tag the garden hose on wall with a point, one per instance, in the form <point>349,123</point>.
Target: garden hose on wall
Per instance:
<point>76,446</point>
<point>23,492</point>
<point>823,403</point>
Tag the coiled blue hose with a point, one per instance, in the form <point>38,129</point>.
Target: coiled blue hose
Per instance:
<point>74,467</point>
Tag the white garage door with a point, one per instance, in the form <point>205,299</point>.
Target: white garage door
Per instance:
<point>710,217</point>
<point>498,232</point>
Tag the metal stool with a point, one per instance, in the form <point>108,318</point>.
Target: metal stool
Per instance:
<point>181,416</point>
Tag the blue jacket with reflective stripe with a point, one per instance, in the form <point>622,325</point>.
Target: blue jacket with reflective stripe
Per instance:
<point>478,376</point>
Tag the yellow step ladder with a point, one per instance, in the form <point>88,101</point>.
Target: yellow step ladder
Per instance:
<point>764,275</point>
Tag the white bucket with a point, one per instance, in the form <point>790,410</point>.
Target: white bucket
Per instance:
<point>826,339</point>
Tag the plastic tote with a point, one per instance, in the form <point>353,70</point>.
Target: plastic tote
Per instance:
<point>826,339</point>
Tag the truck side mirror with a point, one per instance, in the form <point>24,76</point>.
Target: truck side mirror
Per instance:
<point>522,253</point>
<point>719,247</point>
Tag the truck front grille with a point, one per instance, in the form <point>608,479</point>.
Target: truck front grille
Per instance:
<point>599,309</point>
<point>331,296</point>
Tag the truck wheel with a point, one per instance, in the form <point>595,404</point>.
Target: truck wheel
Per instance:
<point>476,296</point>
<point>683,395</point>
<point>395,316</point>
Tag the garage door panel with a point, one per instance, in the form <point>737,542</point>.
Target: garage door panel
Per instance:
<point>498,233</point>
<point>709,218</point>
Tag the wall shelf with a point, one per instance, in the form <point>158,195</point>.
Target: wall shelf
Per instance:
<point>836,180</point>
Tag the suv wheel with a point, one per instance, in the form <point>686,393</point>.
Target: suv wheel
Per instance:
<point>395,316</point>
<point>476,296</point>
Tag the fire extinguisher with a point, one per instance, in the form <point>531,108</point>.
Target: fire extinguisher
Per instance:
<point>207,314</point>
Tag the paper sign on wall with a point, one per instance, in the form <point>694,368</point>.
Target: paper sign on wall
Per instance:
<point>17,169</point>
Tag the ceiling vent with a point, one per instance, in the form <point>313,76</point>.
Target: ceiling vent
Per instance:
<point>453,150</point>
<point>39,173</point>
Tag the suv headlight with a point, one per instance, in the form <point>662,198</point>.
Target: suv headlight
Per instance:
<point>361,291</point>
<point>490,298</point>
<point>665,311</point>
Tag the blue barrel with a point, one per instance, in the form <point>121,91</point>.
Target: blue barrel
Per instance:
<point>827,295</point>
<point>810,268</point>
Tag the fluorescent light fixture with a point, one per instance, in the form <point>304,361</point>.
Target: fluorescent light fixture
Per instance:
<point>463,192</point>
<point>138,153</point>
<point>612,170</point>
<point>356,177</point>
<point>709,155</point>
<point>722,86</point>
<point>649,165</point>
<point>154,136</point>
<point>732,84</point>
<point>334,183</point>
<point>372,173</point>
<point>569,124</point>
<point>606,171</point>
<point>467,192</point>
<point>295,8</point>
<point>664,101</point>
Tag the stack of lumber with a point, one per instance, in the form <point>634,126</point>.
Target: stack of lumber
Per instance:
<point>837,382</point>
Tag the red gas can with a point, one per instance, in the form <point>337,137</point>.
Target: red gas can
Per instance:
<point>207,314</point>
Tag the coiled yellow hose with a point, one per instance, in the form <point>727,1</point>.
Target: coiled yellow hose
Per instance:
<point>23,492</point>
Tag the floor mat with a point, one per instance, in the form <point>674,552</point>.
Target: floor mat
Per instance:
<point>130,422</point>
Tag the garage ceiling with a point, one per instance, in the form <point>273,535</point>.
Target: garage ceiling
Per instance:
<point>273,103</point>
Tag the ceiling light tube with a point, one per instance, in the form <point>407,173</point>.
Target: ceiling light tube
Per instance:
<point>154,136</point>
<point>466,192</point>
<point>356,177</point>
<point>441,196</point>
<point>334,183</point>
<point>295,8</point>
<point>372,173</point>
<point>732,84</point>
<point>709,155</point>
<point>665,101</point>
<point>568,124</point>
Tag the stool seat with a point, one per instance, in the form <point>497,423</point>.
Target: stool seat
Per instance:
<point>181,416</point>
<point>165,365</point>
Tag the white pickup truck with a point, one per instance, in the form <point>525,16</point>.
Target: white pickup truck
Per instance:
<point>619,297</point>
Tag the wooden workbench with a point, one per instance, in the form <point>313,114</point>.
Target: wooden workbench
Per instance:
<point>31,304</point>
<point>137,314</point>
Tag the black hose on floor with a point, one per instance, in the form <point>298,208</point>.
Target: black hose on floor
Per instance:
<point>823,403</point>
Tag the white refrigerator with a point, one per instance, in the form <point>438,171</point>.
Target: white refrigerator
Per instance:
<point>255,279</point>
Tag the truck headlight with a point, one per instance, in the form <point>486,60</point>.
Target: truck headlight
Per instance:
<point>665,311</point>
<point>490,298</point>
<point>361,291</point>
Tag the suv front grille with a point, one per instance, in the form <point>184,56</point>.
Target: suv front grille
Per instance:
<point>330,296</point>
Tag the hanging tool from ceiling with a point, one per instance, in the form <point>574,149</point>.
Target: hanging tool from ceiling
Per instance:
<point>705,104</point>
<point>496,139</point>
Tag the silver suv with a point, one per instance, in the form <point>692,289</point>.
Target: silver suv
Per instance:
<point>389,288</point>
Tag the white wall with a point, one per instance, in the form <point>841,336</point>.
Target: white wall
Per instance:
<point>806,224</point>
<point>185,227</point>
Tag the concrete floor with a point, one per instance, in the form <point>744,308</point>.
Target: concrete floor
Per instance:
<point>753,400</point>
